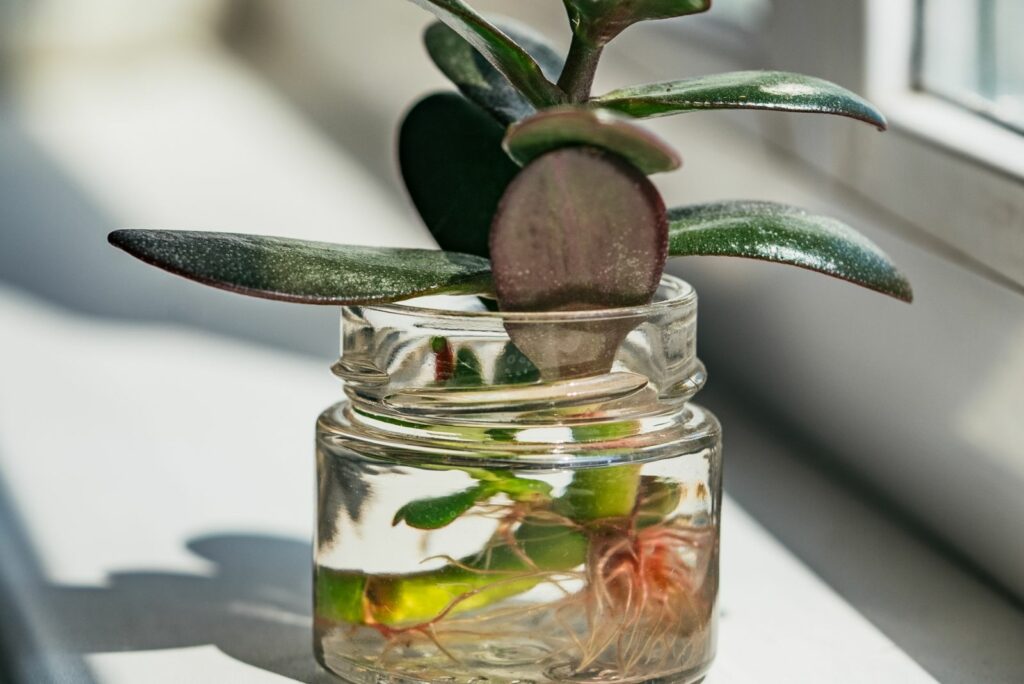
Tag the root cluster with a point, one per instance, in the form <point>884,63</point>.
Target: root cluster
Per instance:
<point>642,602</point>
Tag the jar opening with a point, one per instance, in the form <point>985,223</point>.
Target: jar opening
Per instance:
<point>523,381</point>
<point>672,293</point>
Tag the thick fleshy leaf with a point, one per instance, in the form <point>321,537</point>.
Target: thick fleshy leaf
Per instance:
<point>786,235</point>
<point>507,482</point>
<point>523,488</point>
<point>771,90</point>
<point>657,500</point>
<point>306,272</point>
<point>504,54</point>
<point>557,245</point>
<point>454,169</point>
<point>481,82</point>
<point>433,514</point>
<point>560,127</point>
<point>598,21</point>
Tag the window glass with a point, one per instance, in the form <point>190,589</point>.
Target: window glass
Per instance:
<point>972,52</point>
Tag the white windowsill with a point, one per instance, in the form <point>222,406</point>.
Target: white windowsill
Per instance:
<point>162,437</point>
<point>150,404</point>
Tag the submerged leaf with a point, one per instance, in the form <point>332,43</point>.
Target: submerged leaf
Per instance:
<point>481,82</point>
<point>787,235</point>
<point>303,271</point>
<point>507,482</point>
<point>433,514</point>
<point>560,127</point>
<point>523,488</point>
<point>657,500</point>
<point>771,90</point>
<point>598,21</point>
<point>511,59</point>
<point>454,169</point>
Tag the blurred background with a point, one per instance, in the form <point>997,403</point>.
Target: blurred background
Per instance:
<point>280,117</point>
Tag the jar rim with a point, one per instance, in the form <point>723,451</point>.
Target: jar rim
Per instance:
<point>675,293</point>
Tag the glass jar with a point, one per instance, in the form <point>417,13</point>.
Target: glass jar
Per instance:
<point>518,497</point>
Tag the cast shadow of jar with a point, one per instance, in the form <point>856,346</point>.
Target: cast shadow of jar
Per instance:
<point>255,607</point>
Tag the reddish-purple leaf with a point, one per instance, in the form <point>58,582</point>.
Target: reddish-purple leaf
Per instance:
<point>577,229</point>
<point>598,21</point>
<point>558,127</point>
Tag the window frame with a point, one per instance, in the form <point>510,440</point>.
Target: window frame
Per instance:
<point>893,34</point>
<point>968,199</point>
<point>972,166</point>
<point>963,331</point>
<point>960,95</point>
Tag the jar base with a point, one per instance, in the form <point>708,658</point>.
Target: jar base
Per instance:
<point>481,662</point>
<point>360,674</point>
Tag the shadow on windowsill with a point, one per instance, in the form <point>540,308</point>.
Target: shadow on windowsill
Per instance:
<point>255,607</point>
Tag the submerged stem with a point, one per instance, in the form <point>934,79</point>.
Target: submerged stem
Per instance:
<point>539,552</point>
<point>597,493</point>
<point>542,549</point>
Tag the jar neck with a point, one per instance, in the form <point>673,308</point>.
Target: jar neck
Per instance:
<point>523,382</point>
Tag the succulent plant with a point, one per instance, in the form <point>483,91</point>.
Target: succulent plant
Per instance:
<point>527,181</point>
<point>538,194</point>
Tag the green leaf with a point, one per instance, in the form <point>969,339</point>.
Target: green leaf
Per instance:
<point>523,488</point>
<point>433,514</point>
<point>658,499</point>
<point>772,90</point>
<point>513,368</point>
<point>454,168</point>
<point>504,54</point>
<point>786,235</point>
<point>598,21</point>
<point>507,482</point>
<point>339,595</point>
<point>468,371</point>
<point>303,271</point>
<point>481,82</point>
<point>560,127</point>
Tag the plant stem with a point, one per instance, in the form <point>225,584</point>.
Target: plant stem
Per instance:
<point>580,66</point>
<point>505,570</point>
<point>598,493</point>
